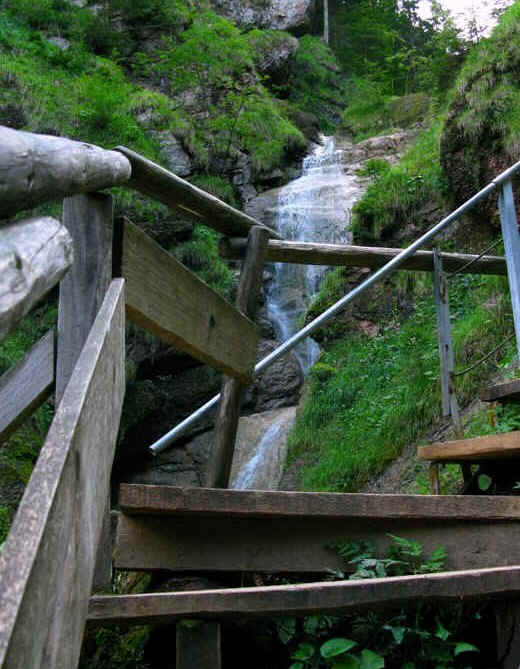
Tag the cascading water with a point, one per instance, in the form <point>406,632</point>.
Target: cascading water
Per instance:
<point>314,208</point>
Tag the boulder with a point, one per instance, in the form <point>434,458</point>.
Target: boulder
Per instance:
<point>291,15</point>
<point>177,160</point>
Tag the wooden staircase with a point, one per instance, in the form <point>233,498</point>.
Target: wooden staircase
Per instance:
<point>199,529</point>
<point>60,539</point>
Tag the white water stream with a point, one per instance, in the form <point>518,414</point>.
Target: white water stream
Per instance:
<point>316,207</point>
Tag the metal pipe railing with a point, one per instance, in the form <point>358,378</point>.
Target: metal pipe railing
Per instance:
<point>308,330</point>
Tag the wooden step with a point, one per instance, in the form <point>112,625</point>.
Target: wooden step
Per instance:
<point>491,447</point>
<point>505,393</point>
<point>306,599</point>
<point>197,529</point>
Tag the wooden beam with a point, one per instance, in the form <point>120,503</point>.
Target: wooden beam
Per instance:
<point>165,298</point>
<point>160,184</point>
<point>34,256</point>
<point>228,530</point>
<point>137,499</point>
<point>26,385</point>
<point>47,561</point>
<point>226,426</point>
<point>309,253</point>
<point>40,168</point>
<point>505,393</point>
<point>491,447</point>
<point>306,599</point>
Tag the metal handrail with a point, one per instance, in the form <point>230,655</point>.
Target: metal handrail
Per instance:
<point>308,330</point>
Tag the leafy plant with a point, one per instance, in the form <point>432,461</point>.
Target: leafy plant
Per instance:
<point>415,637</point>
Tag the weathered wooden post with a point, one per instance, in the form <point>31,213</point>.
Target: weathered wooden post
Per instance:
<point>89,220</point>
<point>231,393</point>
<point>509,223</point>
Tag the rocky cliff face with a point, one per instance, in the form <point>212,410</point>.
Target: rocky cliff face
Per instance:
<point>291,15</point>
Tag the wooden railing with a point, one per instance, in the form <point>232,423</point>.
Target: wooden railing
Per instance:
<point>59,543</point>
<point>48,564</point>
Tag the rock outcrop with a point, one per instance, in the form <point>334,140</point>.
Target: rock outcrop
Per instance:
<point>291,15</point>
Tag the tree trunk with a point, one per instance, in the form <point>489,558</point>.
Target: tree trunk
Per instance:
<point>326,21</point>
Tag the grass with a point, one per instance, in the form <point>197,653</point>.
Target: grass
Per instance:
<point>395,196</point>
<point>372,396</point>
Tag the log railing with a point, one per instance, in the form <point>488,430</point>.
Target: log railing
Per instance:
<point>57,547</point>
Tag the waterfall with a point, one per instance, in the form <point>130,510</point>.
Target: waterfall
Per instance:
<point>314,208</point>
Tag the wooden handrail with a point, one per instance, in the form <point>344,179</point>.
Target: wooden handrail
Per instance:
<point>39,168</point>
<point>47,562</point>
<point>160,184</point>
<point>34,256</point>
<point>343,255</point>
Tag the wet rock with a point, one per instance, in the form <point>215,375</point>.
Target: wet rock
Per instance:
<point>279,386</point>
<point>291,15</point>
<point>261,449</point>
<point>177,160</point>
<point>274,53</point>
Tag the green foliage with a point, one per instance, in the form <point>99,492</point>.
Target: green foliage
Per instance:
<point>371,396</point>
<point>396,196</point>
<point>200,253</point>
<point>315,82</point>
<point>118,649</point>
<point>417,636</point>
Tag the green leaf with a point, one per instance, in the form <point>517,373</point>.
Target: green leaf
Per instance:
<point>297,665</point>
<point>441,632</point>
<point>347,662</point>
<point>397,632</point>
<point>370,660</point>
<point>304,652</point>
<point>484,482</point>
<point>334,647</point>
<point>464,648</point>
<point>409,665</point>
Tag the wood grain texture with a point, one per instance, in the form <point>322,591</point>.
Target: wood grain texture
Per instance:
<point>226,426</point>
<point>136,499</point>
<point>174,304</point>
<point>88,218</point>
<point>299,545</point>
<point>34,256</point>
<point>40,168</point>
<point>166,187</point>
<point>47,562</point>
<point>26,385</point>
<point>505,393</point>
<point>491,447</point>
<point>309,253</point>
<point>306,599</point>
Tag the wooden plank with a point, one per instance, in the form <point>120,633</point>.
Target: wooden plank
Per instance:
<point>137,499</point>
<point>306,599</point>
<point>198,646</point>
<point>505,393</point>
<point>47,561</point>
<point>40,168</point>
<point>310,253</point>
<point>511,237</point>
<point>34,255</point>
<point>491,447</point>
<point>226,426</point>
<point>299,545</point>
<point>88,218</point>
<point>173,303</point>
<point>26,385</point>
<point>160,184</point>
